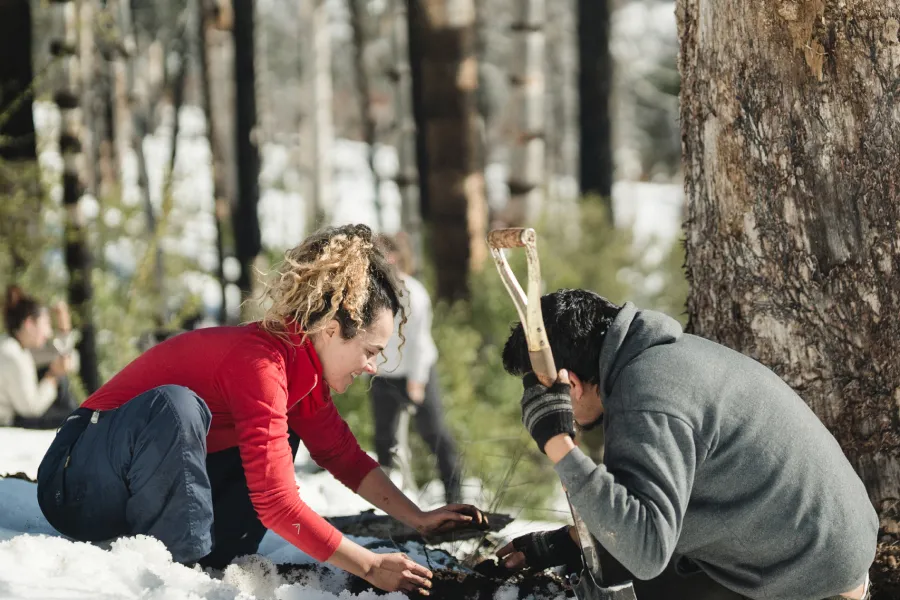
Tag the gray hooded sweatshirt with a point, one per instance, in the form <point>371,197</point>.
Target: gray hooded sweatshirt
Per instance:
<point>710,455</point>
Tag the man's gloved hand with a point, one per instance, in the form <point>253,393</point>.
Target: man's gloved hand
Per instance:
<point>547,412</point>
<point>541,550</point>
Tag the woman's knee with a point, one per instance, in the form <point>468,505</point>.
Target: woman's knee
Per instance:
<point>189,410</point>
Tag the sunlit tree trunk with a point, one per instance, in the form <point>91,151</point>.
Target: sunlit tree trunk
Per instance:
<point>216,65</point>
<point>317,129</point>
<point>791,131</point>
<point>526,170</point>
<point>364,98</point>
<point>442,50</point>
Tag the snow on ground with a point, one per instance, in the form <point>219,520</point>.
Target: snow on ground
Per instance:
<point>36,562</point>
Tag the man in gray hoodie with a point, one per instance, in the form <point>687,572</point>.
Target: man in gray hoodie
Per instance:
<point>717,482</point>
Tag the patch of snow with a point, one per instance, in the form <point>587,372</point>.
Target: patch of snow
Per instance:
<point>40,563</point>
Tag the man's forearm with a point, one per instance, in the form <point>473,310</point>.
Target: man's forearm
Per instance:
<point>558,447</point>
<point>381,492</point>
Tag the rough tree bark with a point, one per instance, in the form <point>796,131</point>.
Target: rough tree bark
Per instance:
<point>79,260</point>
<point>791,131</point>
<point>526,169</point>
<point>442,53</point>
<point>594,84</point>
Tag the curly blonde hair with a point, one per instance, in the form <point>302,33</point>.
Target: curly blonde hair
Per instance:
<point>336,273</point>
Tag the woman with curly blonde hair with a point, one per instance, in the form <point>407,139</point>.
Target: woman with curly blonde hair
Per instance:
<point>194,441</point>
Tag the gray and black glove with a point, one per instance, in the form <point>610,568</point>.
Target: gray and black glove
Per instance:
<point>546,412</point>
<point>545,549</point>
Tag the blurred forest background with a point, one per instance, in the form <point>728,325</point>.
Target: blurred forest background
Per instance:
<point>157,157</point>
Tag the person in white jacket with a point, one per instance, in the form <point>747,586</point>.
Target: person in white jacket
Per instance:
<point>22,394</point>
<point>408,378</point>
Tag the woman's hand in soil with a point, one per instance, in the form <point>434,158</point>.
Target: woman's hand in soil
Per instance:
<point>451,517</point>
<point>396,572</point>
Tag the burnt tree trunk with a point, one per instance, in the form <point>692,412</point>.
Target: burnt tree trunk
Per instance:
<point>594,86</point>
<point>791,131</point>
<point>445,75</point>
<point>526,169</point>
<point>17,141</point>
<point>78,258</point>
<point>17,138</point>
<point>247,240</point>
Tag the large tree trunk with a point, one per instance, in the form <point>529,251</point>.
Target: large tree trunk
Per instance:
<point>442,43</point>
<point>526,169</point>
<point>247,240</point>
<point>791,131</point>
<point>18,153</point>
<point>594,86</point>
<point>78,257</point>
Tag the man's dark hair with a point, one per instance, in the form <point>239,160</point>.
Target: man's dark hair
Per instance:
<point>576,322</point>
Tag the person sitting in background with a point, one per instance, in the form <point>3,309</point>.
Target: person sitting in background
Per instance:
<point>27,400</point>
<point>410,379</point>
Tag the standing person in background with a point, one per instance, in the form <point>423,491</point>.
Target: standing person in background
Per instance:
<point>27,400</point>
<point>410,377</point>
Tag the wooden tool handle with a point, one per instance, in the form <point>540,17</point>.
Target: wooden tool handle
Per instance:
<point>514,237</point>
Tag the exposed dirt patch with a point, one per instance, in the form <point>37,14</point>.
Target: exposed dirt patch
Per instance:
<point>481,584</point>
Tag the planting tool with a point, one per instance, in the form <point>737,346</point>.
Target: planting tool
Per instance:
<point>587,585</point>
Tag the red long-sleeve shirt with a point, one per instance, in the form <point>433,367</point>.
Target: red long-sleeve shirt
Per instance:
<point>256,386</point>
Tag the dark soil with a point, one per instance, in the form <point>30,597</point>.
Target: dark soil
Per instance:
<point>19,475</point>
<point>885,572</point>
<point>481,584</point>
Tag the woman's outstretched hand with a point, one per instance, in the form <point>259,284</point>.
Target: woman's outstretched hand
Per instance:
<point>397,572</point>
<point>450,518</point>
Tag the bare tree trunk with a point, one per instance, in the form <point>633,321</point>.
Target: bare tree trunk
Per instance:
<point>77,253</point>
<point>526,171</point>
<point>365,99</point>
<point>442,44</point>
<point>407,178</point>
<point>791,130</point>
<point>18,151</point>
<point>217,64</point>
<point>594,88</point>
<point>247,240</point>
<point>318,124</point>
<point>561,130</point>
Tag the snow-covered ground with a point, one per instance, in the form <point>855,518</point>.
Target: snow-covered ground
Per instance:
<point>36,562</point>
